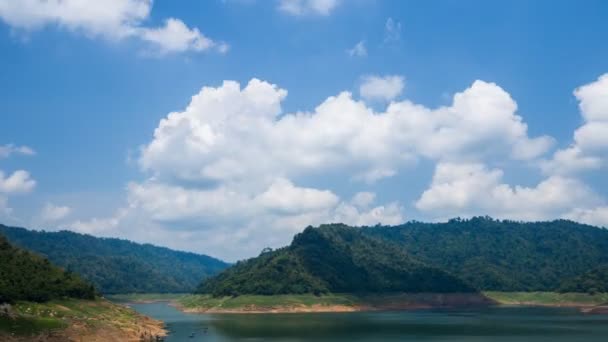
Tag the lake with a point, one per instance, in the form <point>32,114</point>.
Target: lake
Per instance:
<point>488,324</point>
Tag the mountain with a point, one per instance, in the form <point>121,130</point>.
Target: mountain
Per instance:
<point>503,255</point>
<point>458,255</point>
<point>25,276</point>
<point>115,265</point>
<point>593,281</point>
<point>332,258</point>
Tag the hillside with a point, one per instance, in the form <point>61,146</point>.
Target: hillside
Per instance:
<point>25,276</point>
<point>480,253</point>
<point>503,255</point>
<point>115,265</point>
<point>332,259</point>
<point>593,281</point>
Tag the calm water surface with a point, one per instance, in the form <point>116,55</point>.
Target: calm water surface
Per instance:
<point>494,324</point>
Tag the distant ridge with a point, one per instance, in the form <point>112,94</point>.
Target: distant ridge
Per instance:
<point>481,254</point>
<point>116,265</point>
<point>503,255</point>
<point>333,259</point>
<point>25,276</point>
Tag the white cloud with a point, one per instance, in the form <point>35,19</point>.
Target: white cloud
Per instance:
<point>590,147</point>
<point>359,212</point>
<point>229,134</point>
<point>175,36</point>
<point>99,225</point>
<point>384,88</point>
<point>234,166</point>
<point>593,99</point>
<point>283,196</point>
<point>467,189</point>
<point>308,7</point>
<point>10,149</point>
<point>19,182</point>
<point>597,216</point>
<point>359,50</point>
<point>52,212</point>
<point>392,31</point>
<point>243,219</point>
<point>363,199</point>
<point>109,19</point>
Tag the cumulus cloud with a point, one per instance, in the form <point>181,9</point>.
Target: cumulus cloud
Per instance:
<point>19,181</point>
<point>590,147</point>
<point>384,88</point>
<point>597,216</point>
<point>109,19</point>
<point>52,212</point>
<point>229,163</point>
<point>359,211</point>
<point>175,36</point>
<point>11,149</point>
<point>359,50</point>
<point>233,134</point>
<point>235,166</point>
<point>467,189</point>
<point>100,225</point>
<point>308,7</point>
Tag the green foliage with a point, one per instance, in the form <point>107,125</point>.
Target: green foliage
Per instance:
<point>503,255</point>
<point>333,258</point>
<point>260,301</point>
<point>277,272</point>
<point>594,281</point>
<point>118,266</point>
<point>25,276</point>
<point>487,254</point>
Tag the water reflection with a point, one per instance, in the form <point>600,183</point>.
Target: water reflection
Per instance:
<point>494,324</point>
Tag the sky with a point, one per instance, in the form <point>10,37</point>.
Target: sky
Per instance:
<point>226,126</point>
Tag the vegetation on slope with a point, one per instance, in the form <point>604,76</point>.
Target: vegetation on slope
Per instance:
<point>547,298</point>
<point>77,320</point>
<point>25,276</point>
<point>118,266</point>
<point>503,255</point>
<point>336,259</point>
<point>594,281</point>
<point>332,302</point>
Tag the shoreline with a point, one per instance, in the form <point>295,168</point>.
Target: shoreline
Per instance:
<point>80,320</point>
<point>344,303</point>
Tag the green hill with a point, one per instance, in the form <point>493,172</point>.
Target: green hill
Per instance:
<point>115,265</point>
<point>503,255</point>
<point>594,281</point>
<point>25,276</point>
<point>332,258</point>
<point>480,253</point>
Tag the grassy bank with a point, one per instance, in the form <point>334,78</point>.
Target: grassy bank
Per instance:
<point>97,320</point>
<point>548,298</point>
<point>325,303</point>
<point>350,302</point>
<point>146,297</point>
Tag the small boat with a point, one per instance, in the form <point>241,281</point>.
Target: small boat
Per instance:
<point>191,335</point>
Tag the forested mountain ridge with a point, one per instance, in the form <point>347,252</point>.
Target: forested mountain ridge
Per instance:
<point>460,255</point>
<point>334,258</point>
<point>115,265</point>
<point>25,276</point>
<point>503,255</point>
<point>593,281</point>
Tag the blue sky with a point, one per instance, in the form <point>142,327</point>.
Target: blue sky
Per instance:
<point>85,88</point>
